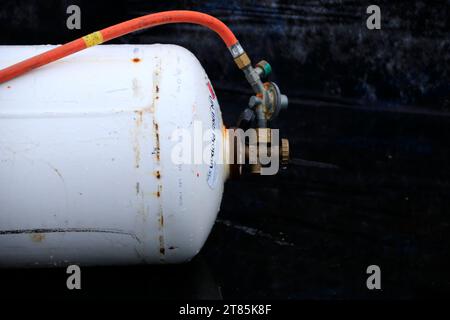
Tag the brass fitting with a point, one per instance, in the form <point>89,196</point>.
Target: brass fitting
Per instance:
<point>284,152</point>
<point>242,61</point>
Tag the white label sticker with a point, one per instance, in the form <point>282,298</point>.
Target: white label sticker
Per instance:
<point>212,175</point>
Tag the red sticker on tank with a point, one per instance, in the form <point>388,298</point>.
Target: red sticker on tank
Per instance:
<point>211,91</point>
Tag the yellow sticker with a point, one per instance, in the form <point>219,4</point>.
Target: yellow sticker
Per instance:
<point>93,39</point>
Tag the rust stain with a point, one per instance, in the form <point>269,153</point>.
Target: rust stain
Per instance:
<point>157,145</point>
<point>158,193</point>
<point>143,111</point>
<point>37,237</point>
<point>162,249</point>
<point>156,153</point>
<point>136,60</point>
<point>156,78</point>
<point>139,119</point>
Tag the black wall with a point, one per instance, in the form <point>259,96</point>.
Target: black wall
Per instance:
<point>374,103</point>
<point>318,49</point>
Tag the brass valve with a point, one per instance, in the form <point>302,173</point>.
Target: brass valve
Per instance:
<point>263,107</point>
<point>284,151</point>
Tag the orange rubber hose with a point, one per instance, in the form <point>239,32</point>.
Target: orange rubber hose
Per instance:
<point>147,21</point>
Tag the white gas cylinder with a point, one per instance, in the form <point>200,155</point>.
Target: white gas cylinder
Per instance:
<point>86,169</point>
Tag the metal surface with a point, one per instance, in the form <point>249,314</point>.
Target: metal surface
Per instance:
<point>86,175</point>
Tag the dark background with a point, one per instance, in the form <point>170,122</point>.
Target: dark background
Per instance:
<point>374,103</point>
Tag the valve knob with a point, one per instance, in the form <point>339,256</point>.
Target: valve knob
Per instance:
<point>263,68</point>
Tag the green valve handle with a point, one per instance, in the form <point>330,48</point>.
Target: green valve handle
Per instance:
<point>263,68</point>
